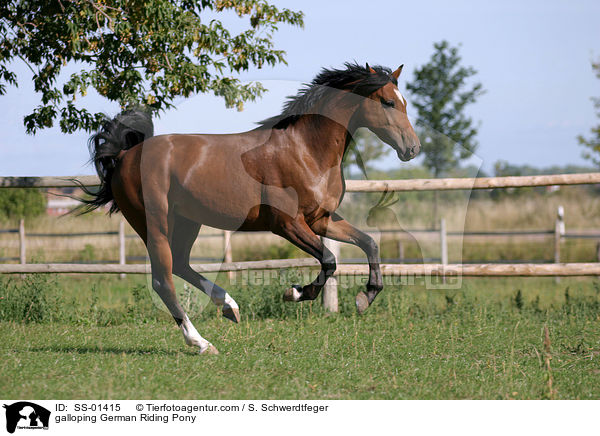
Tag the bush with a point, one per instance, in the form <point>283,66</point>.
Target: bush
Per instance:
<point>21,203</point>
<point>32,299</point>
<point>87,254</point>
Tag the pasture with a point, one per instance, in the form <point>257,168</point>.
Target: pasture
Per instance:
<point>74,337</point>
<point>96,336</point>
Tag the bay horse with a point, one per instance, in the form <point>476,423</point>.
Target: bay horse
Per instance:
<point>285,176</point>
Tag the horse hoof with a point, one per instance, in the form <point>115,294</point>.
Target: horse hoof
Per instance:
<point>210,350</point>
<point>362,302</point>
<point>232,314</point>
<point>292,294</point>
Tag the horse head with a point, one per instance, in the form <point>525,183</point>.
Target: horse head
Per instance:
<point>384,113</point>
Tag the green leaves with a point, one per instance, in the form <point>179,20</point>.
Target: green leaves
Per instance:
<point>21,203</point>
<point>440,92</point>
<point>593,143</point>
<point>134,52</point>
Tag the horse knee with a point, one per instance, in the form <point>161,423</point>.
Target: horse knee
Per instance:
<point>157,285</point>
<point>161,287</point>
<point>371,247</point>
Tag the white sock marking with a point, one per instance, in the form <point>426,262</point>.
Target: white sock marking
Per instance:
<point>221,298</point>
<point>191,335</point>
<point>296,294</point>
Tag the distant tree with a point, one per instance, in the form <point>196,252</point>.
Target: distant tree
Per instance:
<point>364,149</point>
<point>502,169</point>
<point>134,52</point>
<point>593,143</point>
<point>21,203</point>
<point>440,93</point>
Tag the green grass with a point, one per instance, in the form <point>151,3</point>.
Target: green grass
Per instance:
<point>96,338</point>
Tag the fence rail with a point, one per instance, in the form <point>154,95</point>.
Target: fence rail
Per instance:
<point>444,269</point>
<point>428,269</point>
<point>450,184</point>
<point>227,239</point>
<point>446,184</point>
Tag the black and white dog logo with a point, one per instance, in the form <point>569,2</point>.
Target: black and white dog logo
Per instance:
<point>26,415</point>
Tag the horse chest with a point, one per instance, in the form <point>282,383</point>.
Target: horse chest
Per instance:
<point>327,190</point>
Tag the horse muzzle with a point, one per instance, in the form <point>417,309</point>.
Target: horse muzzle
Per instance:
<point>408,151</point>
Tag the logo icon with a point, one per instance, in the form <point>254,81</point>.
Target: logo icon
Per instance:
<point>26,415</point>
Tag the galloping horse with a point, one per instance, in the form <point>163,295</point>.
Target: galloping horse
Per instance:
<point>285,176</point>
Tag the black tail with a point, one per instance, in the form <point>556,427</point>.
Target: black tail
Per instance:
<point>127,129</point>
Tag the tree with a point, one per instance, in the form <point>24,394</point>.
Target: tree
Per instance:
<point>134,52</point>
<point>21,203</point>
<point>593,143</point>
<point>363,150</point>
<point>440,93</point>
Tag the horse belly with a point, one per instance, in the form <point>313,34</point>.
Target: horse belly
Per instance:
<point>217,191</point>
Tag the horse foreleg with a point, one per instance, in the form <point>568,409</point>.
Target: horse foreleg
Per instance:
<point>184,234</point>
<point>335,227</point>
<point>300,234</point>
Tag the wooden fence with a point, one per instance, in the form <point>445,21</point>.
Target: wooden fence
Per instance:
<point>557,234</point>
<point>359,185</point>
<point>330,294</point>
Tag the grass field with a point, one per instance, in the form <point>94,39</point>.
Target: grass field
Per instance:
<point>99,337</point>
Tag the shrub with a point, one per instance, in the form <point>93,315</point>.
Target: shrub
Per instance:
<point>32,299</point>
<point>88,253</point>
<point>21,203</point>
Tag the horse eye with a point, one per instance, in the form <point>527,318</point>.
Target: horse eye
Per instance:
<point>388,103</point>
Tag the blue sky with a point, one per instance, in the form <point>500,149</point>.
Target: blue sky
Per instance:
<point>533,59</point>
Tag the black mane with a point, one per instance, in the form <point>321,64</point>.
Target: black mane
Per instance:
<point>354,78</point>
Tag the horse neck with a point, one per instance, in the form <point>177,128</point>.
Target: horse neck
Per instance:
<point>328,132</point>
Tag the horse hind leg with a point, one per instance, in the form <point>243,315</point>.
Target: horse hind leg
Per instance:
<point>161,260</point>
<point>184,234</point>
<point>149,217</point>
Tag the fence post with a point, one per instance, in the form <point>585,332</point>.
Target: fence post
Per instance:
<point>227,249</point>
<point>598,255</point>
<point>122,257</point>
<point>400,251</point>
<point>559,231</point>
<point>22,248</point>
<point>443,242</point>
<point>443,247</point>
<point>330,290</point>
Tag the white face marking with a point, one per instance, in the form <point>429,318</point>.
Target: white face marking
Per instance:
<point>400,96</point>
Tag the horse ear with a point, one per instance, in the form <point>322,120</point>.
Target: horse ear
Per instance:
<point>396,73</point>
<point>369,69</point>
